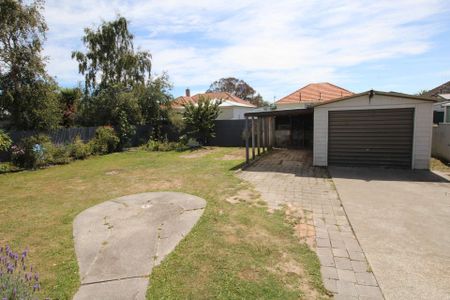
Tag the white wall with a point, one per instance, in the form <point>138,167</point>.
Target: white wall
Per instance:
<point>441,141</point>
<point>423,122</point>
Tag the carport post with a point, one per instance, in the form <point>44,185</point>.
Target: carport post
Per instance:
<point>253,138</point>
<point>247,159</point>
<point>258,130</point>
<point>269,132</point>
<point>264,134</point>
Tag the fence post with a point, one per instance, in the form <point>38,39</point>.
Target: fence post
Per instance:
<point>247,135</point>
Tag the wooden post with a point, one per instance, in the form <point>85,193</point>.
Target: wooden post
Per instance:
<point>264,134</point>
<point>258,123</point>
<point>247,135</point>
<point>269,132</point>
<point>253,138</point>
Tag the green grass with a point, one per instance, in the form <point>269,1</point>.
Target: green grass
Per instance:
<point>235,251</point>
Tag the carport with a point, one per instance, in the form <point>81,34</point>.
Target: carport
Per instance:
<point>277,128</point>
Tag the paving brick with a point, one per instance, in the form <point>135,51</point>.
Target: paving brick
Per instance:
<point>327,261</point>
<point>346,288</point>
<point>359,266</point>
<point>356,255</point>
<point>338,244</point>
<point>321,242</point>
<point>343,263</point>
<point>340,252</point>
<point>369,291</point>
<point>365,278</point>
<point>346,275</point>
<point>329,272</point>
<point>331,285</point>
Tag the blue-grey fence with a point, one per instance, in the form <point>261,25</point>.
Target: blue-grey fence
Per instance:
<point>228,134</point>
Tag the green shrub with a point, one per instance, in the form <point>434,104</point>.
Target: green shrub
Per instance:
<point>79,149</point>
<point>105,141</point>
<point>57,155</point>
<point>32,152</point>
<point>5,141</point>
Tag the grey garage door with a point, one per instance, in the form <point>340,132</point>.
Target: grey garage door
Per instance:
<point>378,137</point>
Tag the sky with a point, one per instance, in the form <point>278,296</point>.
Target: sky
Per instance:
<point>275,46</point>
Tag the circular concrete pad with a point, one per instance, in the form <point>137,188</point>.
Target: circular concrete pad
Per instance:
<point>118,242</point>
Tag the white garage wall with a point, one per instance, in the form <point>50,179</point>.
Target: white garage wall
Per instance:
<point>423,122</point>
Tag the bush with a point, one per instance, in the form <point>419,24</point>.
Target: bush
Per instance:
<point>32,152</point>
<point>17,281</point>
<point>80,150</point>
<point>105,141</point>
<point>155,145</point>
<point>5,141</point>
<point>57,155</point>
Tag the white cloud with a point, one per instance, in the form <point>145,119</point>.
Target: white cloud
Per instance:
<point>275,46</point>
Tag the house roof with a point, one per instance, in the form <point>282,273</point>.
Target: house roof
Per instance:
<point>373,92</point>
<point>227,98</point>
<point>315,92</point>
<point>439,90</point>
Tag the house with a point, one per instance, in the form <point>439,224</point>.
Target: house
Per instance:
<point>373,128</point>
<point>231,107</point>
<point>312,94</point>
<point>442,107</point>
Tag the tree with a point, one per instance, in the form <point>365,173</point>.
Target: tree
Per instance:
<point>110,59</point>
<point>238,88</point>
<point>154,95</point>
<point>27,94</point>
<point>422,93</point>
<point>69,100</point>
<point>199,119</point>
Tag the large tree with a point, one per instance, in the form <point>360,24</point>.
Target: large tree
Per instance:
<point>237,87</point>
<point>110,59</point>
<point>28,96</point>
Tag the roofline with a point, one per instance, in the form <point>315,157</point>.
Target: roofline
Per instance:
<point>309,85</point>
<point>373,92</point>
<point>284,112</point>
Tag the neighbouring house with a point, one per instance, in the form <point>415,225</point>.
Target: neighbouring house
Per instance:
<point>367,129</point>
<point>231,107</point>
<point>441,109</point>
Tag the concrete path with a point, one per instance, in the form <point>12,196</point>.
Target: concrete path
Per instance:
<point>118,242</point>
<point>402,220</point>
<point>287,177</point>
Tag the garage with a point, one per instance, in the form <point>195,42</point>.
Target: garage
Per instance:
<point>371,137</point>
<point>374,128</point>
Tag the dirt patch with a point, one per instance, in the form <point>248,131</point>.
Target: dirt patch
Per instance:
<point>302,221</point>
<point>113,172</point>
<point>234,155</point>
<point>246,195</point>
<point>249,275</point>
<point>198,153</point>
<point>296,276</point>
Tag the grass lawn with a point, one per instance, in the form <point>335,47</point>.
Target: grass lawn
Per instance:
<point>235,251</point>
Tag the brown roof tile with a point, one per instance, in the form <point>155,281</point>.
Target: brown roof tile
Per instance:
<point>315,92</point>
<point>182,100</point>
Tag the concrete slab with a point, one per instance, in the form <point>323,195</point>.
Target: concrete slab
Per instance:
<point>118,242</point>
<point>402,220</point>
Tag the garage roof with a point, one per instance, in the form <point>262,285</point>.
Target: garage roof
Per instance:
<point>371,93</point>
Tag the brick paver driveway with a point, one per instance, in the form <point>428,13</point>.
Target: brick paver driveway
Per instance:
<point>287,177</point>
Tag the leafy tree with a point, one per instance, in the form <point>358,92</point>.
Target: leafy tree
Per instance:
<point>237,87</point>
<point>422,93</point>
<point>5,141</point>
<point>110,58</point>
<point>199,119</point>
<point>27,94</point>
<point>109,106</point>
<point>69,101</point>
